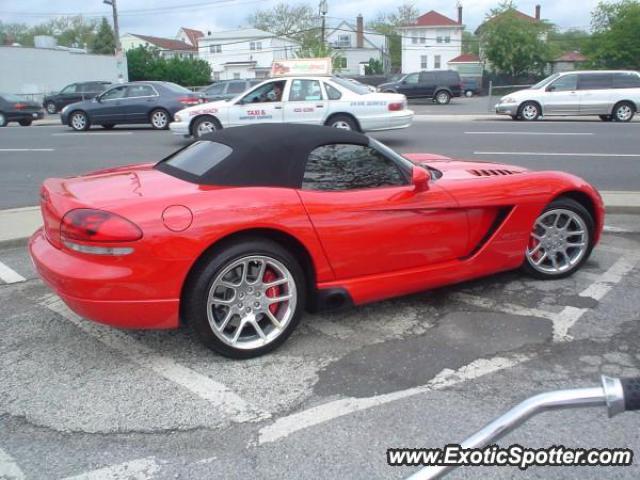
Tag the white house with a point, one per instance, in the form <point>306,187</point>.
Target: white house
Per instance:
<point>431,43</point>
<point>356,47</point>
<point>168,47</point>
<point>244,53</point>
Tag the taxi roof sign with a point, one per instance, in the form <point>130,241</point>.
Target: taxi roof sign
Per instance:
<point>301,66</point>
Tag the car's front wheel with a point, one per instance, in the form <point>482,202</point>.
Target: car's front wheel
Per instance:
<point>205,125</point>
<point>530,111</point>
<point>561,240</point>
<point>79,121</point>
<point>51,108</point>
<point>159,119</point>
<point>246,298</point>
<point>25,123</point>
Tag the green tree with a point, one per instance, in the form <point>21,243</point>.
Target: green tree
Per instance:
<point>147,64</point>
<point>615,42</point>
<point>514,45</point>
<point>573,40</point>
<point>286,20</point>
<point>316,49</point>
<point>104,41</point>
<point>374,67</point>
<point>470,43</point>
<point>387,24</point>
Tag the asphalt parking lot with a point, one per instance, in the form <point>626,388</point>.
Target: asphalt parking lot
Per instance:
<point>83,401</point>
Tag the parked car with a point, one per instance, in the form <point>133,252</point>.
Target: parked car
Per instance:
<point>73,93</point>
<point>441,85</point>
<point>227,89</point>
<point>470,87</point>
<point>15,109</point>
<point>318,100</point>
<point>611,95</point>
<point>130,103</point>
<point>239,233</point>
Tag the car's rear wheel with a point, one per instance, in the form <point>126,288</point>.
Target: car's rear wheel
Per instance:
<point>159,119</point>
<point>79,121</point>
<point>205,125</point>
<point>246,299</point>
<point>442,97</point>
<point>623,112</point>
<point>468,93</point>
<point>530,111</point>
<point>342,122</point>
<point>561,240</point>
<point>51,108</point>
<point>605,118</point>
<point>3,120</point>
<point>108,126</point>
<point>25,123</point>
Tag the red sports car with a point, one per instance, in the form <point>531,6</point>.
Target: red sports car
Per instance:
<point>238,234</point>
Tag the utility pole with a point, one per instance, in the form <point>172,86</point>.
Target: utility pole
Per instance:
<point>323,8</point>
<point>116,30</point>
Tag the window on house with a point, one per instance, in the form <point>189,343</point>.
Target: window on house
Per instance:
<point>423,39</point>
<point>236,75</point>
<point>339,167</point>
<point>414,40</point>
<point>437,61</point>
<point>447,39</point>
<point>342,62</point>
<point>344,41</point>
<point>215,48</point>
<point>255,46</point>
<point>439,39</point>
<point>423,62</point>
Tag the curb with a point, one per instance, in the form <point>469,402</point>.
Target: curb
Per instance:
<point>18,224</point>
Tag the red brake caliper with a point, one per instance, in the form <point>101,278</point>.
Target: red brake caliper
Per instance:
<point>272,292</point>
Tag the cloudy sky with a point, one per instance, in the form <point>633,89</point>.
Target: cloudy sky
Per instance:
<point>164,17</point>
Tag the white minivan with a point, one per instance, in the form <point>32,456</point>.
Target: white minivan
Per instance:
<point>611,95</point>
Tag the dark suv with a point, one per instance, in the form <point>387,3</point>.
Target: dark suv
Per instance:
<point>227,89</point>
<point>76,92</point>
<point>440,85</point>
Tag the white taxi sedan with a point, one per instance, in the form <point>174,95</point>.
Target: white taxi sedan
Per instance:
<point>331,101</point>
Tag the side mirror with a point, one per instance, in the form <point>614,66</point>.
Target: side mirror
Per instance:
<point>420,179</point>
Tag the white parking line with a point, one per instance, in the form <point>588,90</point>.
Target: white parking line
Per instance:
<point>141,469</point>
<point>8,275</point>
<point>84,134</point>
<point>285,426</point>
<point>508,308</point>
<point>223,400</point>
<point>609,279</point>
<point>9,469</point>
<point>568,134</point>
<point>563,154</point>
<point>27,150</point>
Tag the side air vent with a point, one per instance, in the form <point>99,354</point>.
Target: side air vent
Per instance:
<point>492,173</point>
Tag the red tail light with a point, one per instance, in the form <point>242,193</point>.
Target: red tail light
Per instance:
<point>89,225</point>
<point>189,100</point>
<point>20,106</point>
<point>396,107</point>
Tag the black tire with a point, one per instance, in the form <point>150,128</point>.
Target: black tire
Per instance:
<point>51,108</point>
<point>606,118</point>
<point>76,122</point>
<point>344,122</point>
<point>442,97</point>
<point>205,125</point>
<point>529,111</point>
<point>624,112</point>
<point>26,123</point>
<point>574,206</point>
<point>515,117</point>
<point>201,279</point>
<point>159,119</point>
<point>108,126</point>
<point>3,120</point>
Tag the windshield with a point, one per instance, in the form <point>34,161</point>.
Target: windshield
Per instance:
<point>198,158</point>
<point>545,81</point>
<point>358,88</point>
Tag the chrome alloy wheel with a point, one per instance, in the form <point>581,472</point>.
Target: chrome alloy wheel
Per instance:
<point>251,302</point>
<point>159,119</point>
<point>624,113</point>
<point>530,112</point>
<point>206,126</point>
<point>79,121</point>
<point>341,124</point>
<point>559,240</point>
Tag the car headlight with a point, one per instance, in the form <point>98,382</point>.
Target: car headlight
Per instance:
<point>508,100</point>
<point>177,117</point>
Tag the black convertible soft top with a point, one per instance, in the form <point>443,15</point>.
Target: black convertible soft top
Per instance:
<point>268,155</point>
